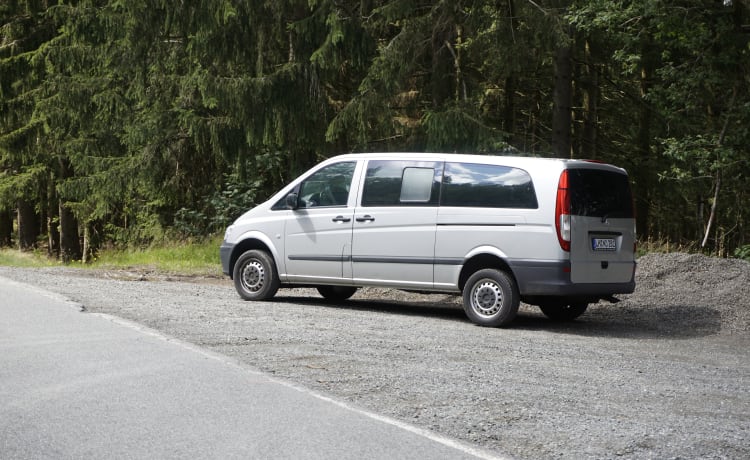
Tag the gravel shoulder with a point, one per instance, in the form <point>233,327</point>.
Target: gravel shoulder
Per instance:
<point>662,374</point>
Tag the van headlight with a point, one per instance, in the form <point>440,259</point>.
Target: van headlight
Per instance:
<point>228,232</point>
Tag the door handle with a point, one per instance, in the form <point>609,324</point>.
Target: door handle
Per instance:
<point>365,218</point>
<point>341,219</point>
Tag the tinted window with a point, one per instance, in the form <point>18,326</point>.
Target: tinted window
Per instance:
<point>401,183</point>
<point>487,186</point>
<point>598,193</point>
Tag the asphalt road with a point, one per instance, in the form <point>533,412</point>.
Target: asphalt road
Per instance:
<point>76,385</point>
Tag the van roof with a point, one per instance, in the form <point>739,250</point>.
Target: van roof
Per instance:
<point>519,161</point>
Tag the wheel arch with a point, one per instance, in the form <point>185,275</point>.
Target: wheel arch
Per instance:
<point>248,244</point>
<point>481,261</point>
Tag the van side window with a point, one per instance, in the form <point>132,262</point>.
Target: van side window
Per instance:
<point>328,187</point>
<point>416,185</point>
<point>487,186</point>
<point>402,183</point>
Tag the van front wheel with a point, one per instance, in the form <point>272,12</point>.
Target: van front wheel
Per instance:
<point>255,276</point>
<point>491,298</point>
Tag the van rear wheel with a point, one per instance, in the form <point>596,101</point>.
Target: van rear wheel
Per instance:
<point>255,276</point>
<point>491,298</point>
<point>562,311</point>
<point>336,293</point>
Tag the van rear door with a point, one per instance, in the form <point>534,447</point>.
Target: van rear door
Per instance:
<point>602,225</point>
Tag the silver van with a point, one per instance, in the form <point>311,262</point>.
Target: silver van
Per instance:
<point>498,230</point>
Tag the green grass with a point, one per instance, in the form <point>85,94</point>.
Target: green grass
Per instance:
<point>15,258</point>
<point>195,258</point>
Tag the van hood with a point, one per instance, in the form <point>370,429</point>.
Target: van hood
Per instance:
<point>256,211</point>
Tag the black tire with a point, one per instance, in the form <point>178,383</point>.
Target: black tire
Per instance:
<point>336,293</point>
<point>562,311</point>
<point>491,298</point>
<point>255,276</point>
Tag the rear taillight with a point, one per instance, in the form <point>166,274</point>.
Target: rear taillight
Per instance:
<point>562,212</point>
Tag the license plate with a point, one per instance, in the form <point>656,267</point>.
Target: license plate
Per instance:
<point>603,244</point>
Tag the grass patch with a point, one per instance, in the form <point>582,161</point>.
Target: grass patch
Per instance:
<point>195,258</point>
<point>16,258</point>
<point>186,258</point>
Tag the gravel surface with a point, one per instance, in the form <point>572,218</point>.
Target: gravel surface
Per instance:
<point>665,373</point>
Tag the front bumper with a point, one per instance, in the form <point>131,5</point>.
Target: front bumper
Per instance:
<point>225,254</point>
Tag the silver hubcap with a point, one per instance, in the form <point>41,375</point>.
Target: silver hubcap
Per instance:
<point>487,298</point>
<point>253,276</point>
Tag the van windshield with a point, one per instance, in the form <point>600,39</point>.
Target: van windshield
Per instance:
<point>599,193</point>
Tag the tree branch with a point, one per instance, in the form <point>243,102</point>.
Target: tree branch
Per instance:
<point>719,143</point>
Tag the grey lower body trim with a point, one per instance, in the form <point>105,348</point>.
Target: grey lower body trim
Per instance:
<point>552,278</point>
<point>534,277</point>
<point>394,260</point>
<point>320,258</point>
<point>376,259</point>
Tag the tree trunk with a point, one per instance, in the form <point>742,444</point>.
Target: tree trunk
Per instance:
<point>442,78</point>
<point>719,144</point>
<point>511,83</point>
<point>562,98</point>
<point>86,244</point>
<point>6,228</point>
<point>590,89</point>
<point>28,230</point>
<point>646,162</point>
<point>714,204</point>
<point>509,111</point>
<point>70,244</point>
<point>53,235</point>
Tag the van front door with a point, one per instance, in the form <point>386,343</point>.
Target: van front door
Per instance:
<point>394,227</point>
<point>318,234</point>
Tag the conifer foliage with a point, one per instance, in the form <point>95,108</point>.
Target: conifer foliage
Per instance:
<point>127,122</point>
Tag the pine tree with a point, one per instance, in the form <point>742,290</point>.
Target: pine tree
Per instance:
<point>26,28</point>
<point>683,68</point>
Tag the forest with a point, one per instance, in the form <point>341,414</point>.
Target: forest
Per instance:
<point>124,123</point>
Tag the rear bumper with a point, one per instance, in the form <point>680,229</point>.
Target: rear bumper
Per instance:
<point>552,278</point>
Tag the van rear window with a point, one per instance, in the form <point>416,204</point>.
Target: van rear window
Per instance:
<point>599,193</point>
<point>487,186</point>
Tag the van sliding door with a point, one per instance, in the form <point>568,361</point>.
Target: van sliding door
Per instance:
<point>393,239</point>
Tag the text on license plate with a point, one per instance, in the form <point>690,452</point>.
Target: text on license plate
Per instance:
<point>603,244</point>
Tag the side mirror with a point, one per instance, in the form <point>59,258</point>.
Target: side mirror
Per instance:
<point>292,201</point>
